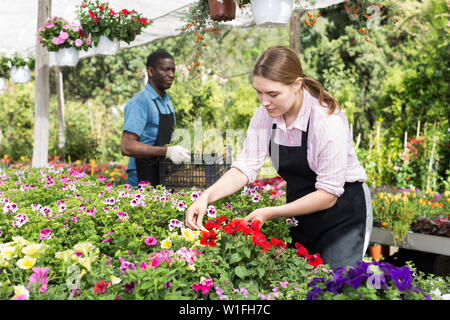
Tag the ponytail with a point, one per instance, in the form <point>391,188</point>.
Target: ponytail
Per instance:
<point>315,88</point>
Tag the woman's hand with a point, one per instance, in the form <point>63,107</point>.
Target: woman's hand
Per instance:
<point>261,214</point>
<point>195,213</point>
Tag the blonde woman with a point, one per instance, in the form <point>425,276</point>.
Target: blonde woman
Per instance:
<point>305,133</point>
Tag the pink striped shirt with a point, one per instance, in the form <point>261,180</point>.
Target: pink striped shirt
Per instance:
<point>331,154</point>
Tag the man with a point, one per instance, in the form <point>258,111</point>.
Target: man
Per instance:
<point>149,118</point>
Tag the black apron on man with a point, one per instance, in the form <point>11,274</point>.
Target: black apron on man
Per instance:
<point>148,168</point>
<point>336,233</point>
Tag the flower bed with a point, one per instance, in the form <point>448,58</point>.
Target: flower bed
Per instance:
<point>402,210</point>
<point>65,234</point>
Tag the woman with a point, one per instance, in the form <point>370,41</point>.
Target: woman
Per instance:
<point>306,135</point>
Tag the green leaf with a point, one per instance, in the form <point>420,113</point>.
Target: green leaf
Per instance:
<point>235,257</point>
<point>261,272</point>
<point>240,271</point>
<point>247,251</point>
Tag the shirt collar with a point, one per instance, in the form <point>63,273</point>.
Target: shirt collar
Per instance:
<point>153,94</point>
<point>301,122</point>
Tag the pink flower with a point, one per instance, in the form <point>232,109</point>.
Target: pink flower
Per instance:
<point>204,285</point>
<point>49,25</point>
<point>56,41</point>
<point>150,241</point>
<point>39,276</point>
<point>63,35</point>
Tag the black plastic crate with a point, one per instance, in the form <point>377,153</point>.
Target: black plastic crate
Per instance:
<point>201,175</point>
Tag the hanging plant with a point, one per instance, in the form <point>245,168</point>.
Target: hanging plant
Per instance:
<point>99,19</point>
<point>5,66</point>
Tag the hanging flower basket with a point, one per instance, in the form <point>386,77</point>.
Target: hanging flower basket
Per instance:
<point>222,11</point>
<point>2,83</point>
<point>271,13</point>
<point>67,57</point>
<point>20,74</point>
<point>106,46</point>
<point>101,22</point>
<point>64,39</point>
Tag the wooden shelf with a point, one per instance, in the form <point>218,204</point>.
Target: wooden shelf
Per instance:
<point>413,241</point>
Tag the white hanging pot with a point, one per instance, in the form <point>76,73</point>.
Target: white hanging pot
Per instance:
<point>106,46</point>
<point>271,13</point>
<point>2,83</point>
<point>67,57</point>
<point>20,74</point>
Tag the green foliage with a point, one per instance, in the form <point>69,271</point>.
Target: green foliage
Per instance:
<point>5,66</point>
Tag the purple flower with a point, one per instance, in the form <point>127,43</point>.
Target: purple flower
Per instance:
<point>313,294</point>
<point>129,287</point>
<point>167,285</point>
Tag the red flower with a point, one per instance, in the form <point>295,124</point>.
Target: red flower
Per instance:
<point>125,12</point>
<point>278,243</point>
<point>92,15</point>
<point>215,223</point>
<point>81,33</point>
<point>100,7</point>
<point>301,251</point>
<point>234,226</point>
<point>209,238</point>
<point>315,260</point>
<point>260,239</point>
<point>100,287</point>
<point>112,12</point>
<point>252,228</point>
<point>143,20</point>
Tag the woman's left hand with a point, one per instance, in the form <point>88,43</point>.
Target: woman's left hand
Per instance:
<point>261,214</point>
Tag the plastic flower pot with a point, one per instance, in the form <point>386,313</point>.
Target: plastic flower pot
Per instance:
<point>222,11</point>
<point>2,83</point>
<point>106,46</point>
<point>375,252</point>
<point>67,57</point>
<point>20,74</point>
<point>271,13</point>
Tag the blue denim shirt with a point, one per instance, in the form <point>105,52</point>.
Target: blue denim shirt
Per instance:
<point>141,116</point>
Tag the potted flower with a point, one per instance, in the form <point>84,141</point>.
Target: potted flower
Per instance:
<point>64,38</point>
<point>5,66</point>
<point>107,27</point>
<point>21,67</point>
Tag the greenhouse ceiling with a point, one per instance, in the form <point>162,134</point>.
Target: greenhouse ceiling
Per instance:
<point>18,20</point>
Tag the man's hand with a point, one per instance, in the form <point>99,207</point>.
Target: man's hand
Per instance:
<point>178,154</point>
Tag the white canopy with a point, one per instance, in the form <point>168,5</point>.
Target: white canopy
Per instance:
<point>18,20</point>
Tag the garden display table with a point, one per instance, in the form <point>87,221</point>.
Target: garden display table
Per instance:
<point>413,241</point>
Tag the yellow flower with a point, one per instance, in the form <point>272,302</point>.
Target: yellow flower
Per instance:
<point>33,249</point>
<point>21,241</point>
<point>114,279</point>
<point>189,234</point>
<point>414,195</point>
<point>83,247</point>
<point>65,255</point>
<point>166,243</point>
<point>7,251</point>
<point>26,262</point>
<point>20,291</point>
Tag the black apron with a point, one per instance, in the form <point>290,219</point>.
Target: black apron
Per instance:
<point>336,233</point>
<point>148,168</point>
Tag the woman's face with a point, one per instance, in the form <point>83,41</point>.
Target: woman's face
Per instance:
<point>278,98</point>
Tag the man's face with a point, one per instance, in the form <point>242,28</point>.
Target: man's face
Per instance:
<point>163,74</point>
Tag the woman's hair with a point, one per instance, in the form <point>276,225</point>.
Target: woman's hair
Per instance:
<point>282,64</point>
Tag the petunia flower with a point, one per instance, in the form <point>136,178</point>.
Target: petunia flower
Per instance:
<point>100,287</point>
<point>150,241</point>
<point>209,238</point>
<point>39,276</point>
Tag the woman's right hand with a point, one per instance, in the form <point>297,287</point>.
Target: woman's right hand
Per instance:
<point>195,213</point>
